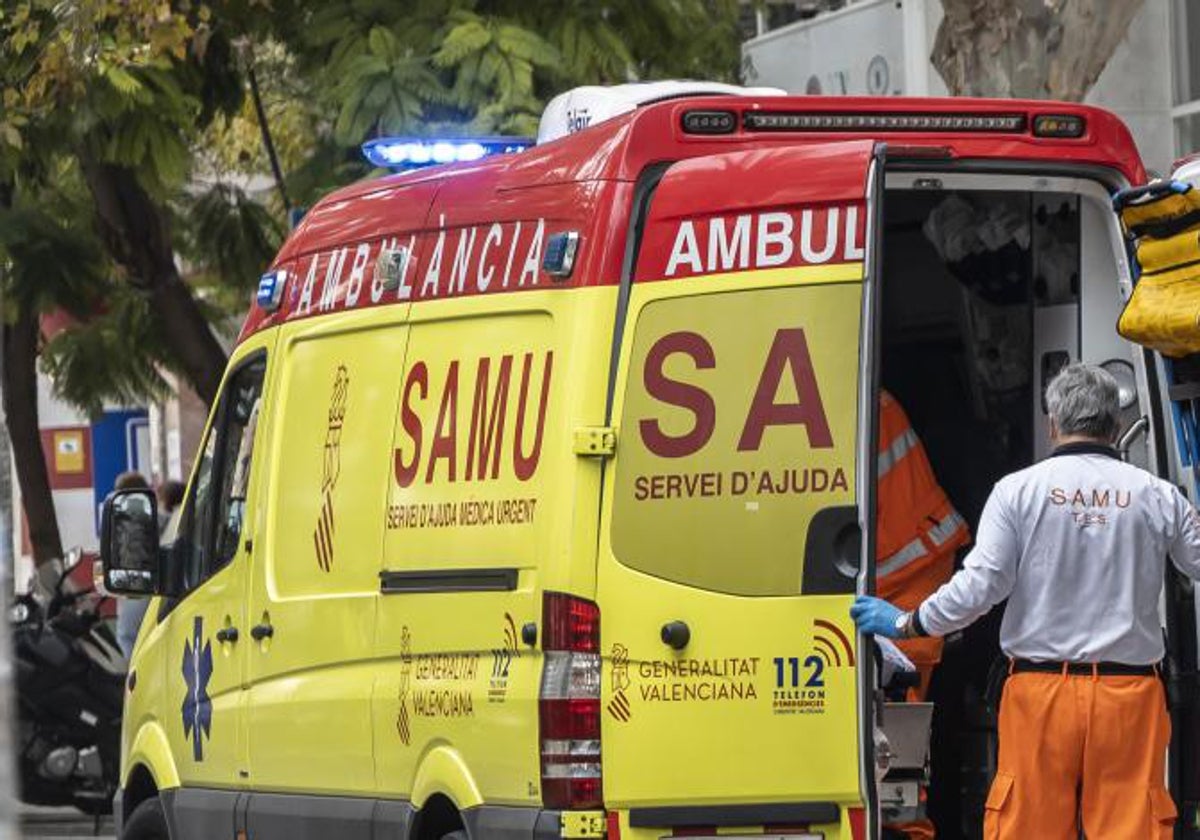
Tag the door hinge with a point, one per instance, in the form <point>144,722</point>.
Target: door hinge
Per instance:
<point>596,441</point>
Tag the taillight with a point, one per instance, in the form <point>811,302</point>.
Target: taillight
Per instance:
<point>858,823</point>
<point>569,706</point>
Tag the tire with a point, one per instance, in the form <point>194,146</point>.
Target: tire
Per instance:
<point>147,822</point>
<point>455,835</point>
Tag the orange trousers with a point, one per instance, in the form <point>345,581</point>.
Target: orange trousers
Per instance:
<point>1090,748</point>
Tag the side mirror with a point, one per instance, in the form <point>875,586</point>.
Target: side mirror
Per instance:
<point>129,543</point>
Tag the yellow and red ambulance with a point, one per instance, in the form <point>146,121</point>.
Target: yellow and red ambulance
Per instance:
<point>540,484</point>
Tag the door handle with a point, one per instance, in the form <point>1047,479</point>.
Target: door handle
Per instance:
<point>227,634</point>
<point>262,631</point>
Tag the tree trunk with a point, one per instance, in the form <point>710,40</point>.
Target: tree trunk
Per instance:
<point>20,399</point>
<point>1032,49</point>
<point>137,233</point>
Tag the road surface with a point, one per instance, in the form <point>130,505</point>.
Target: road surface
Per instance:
<point>61,824</point>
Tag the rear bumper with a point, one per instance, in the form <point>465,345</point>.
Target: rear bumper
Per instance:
<point>492,822</point>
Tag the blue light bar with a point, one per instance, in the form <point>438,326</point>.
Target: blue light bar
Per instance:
<point>415,152</point>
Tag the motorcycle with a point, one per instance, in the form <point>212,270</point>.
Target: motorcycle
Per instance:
<point>70,683</point>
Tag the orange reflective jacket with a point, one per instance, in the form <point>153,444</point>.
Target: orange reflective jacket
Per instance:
<point>917,526</point>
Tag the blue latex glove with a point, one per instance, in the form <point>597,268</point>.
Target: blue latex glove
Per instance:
<point>875,615</point>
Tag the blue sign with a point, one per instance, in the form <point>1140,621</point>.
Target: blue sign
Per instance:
<point>119,440</point>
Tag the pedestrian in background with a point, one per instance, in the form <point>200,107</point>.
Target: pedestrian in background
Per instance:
<point>170,497</point>
<point>131,611</point>
<point>1077,543</point>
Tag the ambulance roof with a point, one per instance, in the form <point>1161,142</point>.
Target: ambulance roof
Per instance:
<point>620,145</point>
<point>983,132</point>
<point>584,107</point>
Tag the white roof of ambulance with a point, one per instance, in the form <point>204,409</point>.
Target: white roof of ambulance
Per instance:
<point>581,107</point>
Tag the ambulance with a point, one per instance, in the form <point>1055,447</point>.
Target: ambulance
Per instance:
<point>540,483</point>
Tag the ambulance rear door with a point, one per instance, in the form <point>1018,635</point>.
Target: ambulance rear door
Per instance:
<point>1163,409</point>
<point>730,545</point>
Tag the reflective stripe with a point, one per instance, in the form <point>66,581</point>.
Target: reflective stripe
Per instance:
<point>939,534</point>
<point>898,448</point>
<point>915,550</point>
<point>946,528</point>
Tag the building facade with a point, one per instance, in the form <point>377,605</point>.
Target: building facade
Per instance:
<point>882,47</point>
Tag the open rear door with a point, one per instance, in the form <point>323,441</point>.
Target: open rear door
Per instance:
<point>1171,390</point>
<point>730,549</point>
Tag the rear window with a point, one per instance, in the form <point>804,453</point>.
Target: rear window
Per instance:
<point>738,425</point>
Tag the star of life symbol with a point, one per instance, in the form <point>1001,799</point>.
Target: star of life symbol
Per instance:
<point>197,705</point>
<point>331,468</point>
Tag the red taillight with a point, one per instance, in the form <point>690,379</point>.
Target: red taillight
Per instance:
<point>577,718</point>
<point>570,624</point>
<point>569,707</point>
<point>858,823</point>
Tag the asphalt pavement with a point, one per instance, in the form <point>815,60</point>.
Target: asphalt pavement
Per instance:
<point>62,824</point>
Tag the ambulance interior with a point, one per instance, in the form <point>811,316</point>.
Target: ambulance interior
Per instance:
<point>989,285</point>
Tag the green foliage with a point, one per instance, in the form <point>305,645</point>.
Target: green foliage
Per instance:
<point>493,64</point>
<point>114,356</point>
<point>385,84</point>
<point>490,65</point>
<point>50,262</point>
<point>330,166</point>
<point>159,87</point>
<point>231,146</point>
<point>130,85</point>
<point>135,122</point>
<point>228,238</point>
<point>640,40</point>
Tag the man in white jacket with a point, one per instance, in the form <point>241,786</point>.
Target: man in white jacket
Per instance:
<point>1077,543</point>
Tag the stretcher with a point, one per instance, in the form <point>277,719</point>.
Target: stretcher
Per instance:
<point>1161,222</point>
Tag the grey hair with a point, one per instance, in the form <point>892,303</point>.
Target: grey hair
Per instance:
<point>1084,400</point>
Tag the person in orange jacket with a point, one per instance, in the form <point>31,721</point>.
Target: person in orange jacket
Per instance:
<point>918,530</point>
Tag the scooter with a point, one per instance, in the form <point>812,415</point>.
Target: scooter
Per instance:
<point>70,681</point>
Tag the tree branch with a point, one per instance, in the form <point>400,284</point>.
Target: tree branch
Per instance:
<point>136,231</point>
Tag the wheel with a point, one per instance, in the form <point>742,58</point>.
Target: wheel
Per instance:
<point>455,835</point>
<point>147,822</point>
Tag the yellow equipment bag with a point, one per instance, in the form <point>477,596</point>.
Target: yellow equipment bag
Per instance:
<point>1163,313</point>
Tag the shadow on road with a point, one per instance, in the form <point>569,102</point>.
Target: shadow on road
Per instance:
<point>62,824</point>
